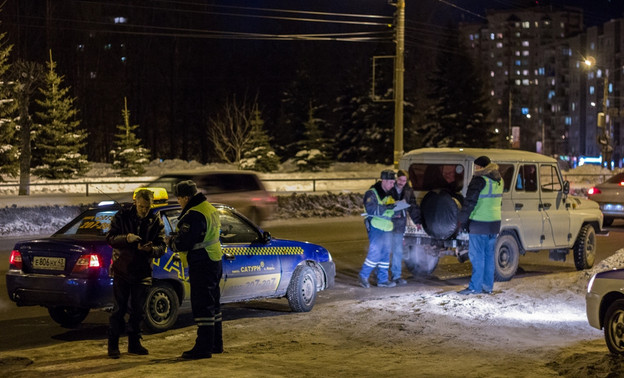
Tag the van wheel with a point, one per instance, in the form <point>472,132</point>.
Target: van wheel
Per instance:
<point>68,316</point>
<point>507,256</point>
<point>421,260</point>
<point>585,248</point>
<point>161,307</point>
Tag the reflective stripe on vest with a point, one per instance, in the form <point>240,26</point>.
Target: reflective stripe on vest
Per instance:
<point>211,238</point>
<point>378,221</point>
<point>488,208</point>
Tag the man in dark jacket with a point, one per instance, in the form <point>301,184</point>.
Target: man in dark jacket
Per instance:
<point>481,214</point>
<point>198,233</point>
<point>137,237</point>
<point>402,191</point>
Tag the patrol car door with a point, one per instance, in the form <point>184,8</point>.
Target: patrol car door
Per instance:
<point>249,269</point>
<point>553,205</point>
<point>526,206</point>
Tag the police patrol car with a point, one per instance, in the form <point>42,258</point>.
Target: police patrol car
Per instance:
<point>68,272</point>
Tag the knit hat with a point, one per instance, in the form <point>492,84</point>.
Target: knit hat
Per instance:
<point>388,174</point>
<point>482,161</point>
<point>185,188</point>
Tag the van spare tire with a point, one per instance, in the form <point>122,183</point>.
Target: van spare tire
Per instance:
<point>439,211</point>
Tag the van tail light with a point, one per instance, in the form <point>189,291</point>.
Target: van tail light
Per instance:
<point>15,260</point>
<point>593,190</point>
<point>86,262</point>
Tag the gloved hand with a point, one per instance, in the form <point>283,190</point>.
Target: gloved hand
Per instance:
<point>132,238</point>
<point>176,257</point>
<point>388,213</point>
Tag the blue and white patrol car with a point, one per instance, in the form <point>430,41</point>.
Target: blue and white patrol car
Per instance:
<point>68,272</point>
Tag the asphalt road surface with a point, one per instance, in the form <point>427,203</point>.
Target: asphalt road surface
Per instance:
<point>345,238</point>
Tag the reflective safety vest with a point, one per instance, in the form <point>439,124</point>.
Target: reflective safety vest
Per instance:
<point>488,208</point>
<point>383,222</point>
<point>211,240</point>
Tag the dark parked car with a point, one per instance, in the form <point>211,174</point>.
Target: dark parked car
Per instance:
<point>68,272</point>
<point>239,189</point>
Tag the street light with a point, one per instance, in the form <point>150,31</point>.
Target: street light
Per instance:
<point>603,138</point>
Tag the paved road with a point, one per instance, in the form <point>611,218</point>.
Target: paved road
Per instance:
<point>344,237</point>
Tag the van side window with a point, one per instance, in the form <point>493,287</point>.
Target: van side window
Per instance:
<point>506,172</point>
<point>527,178</point>
<point>549,179</point>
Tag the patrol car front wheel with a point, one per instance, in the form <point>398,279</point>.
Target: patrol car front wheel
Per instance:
<point>68,316</point>
<point>301,292</point>
<point>162,307</point>
<point>614,327</point>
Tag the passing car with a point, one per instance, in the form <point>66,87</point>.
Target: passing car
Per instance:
<point>605,307</point>
<point>68,272</point>
<point>242,190</point>
<point>610,197</point>
<point>537,211</point>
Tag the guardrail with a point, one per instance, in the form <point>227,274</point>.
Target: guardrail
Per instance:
<point>282,185</point>
<point>272,185</point>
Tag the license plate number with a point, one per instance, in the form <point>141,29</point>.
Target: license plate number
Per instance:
<point>49,263</point>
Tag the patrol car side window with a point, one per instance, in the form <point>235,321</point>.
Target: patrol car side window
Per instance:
<point>235,230</point>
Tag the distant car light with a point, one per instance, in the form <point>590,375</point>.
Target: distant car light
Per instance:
<point>593,190</point>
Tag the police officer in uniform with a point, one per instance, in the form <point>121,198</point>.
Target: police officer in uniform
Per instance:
<point>198,233</point>
<point>481,215</point>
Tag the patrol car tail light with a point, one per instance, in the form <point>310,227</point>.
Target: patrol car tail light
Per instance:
<point>87,261</point>
<point>15,260</point>
<point>594,190</point>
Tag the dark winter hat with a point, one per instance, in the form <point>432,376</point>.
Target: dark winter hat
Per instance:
<point>482,161</point>
<point>388,174</point>
<point>185,189</point>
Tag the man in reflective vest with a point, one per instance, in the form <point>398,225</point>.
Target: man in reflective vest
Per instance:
<point>379,205</point>
<point>198,233</point>
<point>481,214</point>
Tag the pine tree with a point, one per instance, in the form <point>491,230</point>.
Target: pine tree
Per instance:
<point>58,140</point>
<point>458,117</point>
<point>129,156</point>
<point>9,163</point>
<point>258,154</point>
<point>312,155</point>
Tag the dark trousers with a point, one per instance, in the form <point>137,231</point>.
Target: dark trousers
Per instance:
<point>204,277</point>
<point>129,297</point>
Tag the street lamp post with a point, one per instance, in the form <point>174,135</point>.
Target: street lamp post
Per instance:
<point>603,137</point>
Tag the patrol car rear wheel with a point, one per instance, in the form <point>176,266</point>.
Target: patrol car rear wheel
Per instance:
<point>507,256</point>
<point>614,327</point>
<point>162,307</point>
<point>301,292</point>
<point>585,248</point>
<point>68,316</point>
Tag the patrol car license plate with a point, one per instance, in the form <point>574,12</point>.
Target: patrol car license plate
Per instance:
<point>48,263</point>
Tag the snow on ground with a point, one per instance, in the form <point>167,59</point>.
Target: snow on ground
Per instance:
<point>532,326</point>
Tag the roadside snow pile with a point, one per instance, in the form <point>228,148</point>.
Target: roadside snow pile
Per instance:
<point>614,261</point>
<point>35,220</point>
<point>322,205</point>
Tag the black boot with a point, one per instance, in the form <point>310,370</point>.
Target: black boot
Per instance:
<point>113,345</point>
<point>203,344</point>
<point>134,344</point>
<point>218,337</point>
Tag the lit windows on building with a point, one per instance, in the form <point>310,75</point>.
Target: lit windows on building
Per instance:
<point>526,24</point>
<point>525,43</point>
<point>499,45</point>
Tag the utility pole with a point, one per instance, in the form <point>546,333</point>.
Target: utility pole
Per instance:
<point>399,70</point>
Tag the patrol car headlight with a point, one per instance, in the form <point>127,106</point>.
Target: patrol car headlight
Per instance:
<point>590,283</point>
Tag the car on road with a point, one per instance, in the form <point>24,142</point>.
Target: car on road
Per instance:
<point>537,211</point>
<point>605,307</point>
<point>68,272</point>
<point>242,190</point>
<point>610,197</point>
